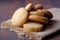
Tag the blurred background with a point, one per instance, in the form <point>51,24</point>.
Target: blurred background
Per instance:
<point>7,8</point>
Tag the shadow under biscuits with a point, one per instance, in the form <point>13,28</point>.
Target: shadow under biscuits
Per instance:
<point>51,25</point>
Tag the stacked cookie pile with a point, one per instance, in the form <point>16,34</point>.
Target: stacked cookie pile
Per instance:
<point>31,18</point>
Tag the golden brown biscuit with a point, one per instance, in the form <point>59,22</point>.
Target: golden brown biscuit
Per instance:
<point>33,27</point>
<point>19,17</point>
<point>43,13</point>
<point>38,6</point>
<point>29,7</point>
<point>39,19</point>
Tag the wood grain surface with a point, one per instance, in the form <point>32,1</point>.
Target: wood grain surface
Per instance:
<point>7,8</point>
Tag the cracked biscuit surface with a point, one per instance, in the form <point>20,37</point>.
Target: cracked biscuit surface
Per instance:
<point>19,17</point>
<point>33,27</point>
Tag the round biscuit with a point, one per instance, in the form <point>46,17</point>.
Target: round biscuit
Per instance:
<point>29,6</point>
<point>39,19</point>
<point>19,17</point>
<point>38,6</point>
<point>43,13</point>
<point>33,27</point>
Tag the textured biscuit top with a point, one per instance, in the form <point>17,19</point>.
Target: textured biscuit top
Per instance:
<point>19,17</point>
<point>33,25</point>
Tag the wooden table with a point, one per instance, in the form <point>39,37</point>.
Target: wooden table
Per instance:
<point>7,8</point>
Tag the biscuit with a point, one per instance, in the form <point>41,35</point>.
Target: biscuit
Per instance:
<point>33,27</point>
<point>43,13</point>
<point>39,19</point>
<point>19,17</point>
<point>38,6</point>
<point>29,7</point>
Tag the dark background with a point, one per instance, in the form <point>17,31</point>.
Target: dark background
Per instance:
<point>7,8</point>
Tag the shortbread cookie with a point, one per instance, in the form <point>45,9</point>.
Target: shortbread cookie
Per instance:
<point>43,13</point>
<point>29,7</point>
<point>33,27</point>
<point>19,17</point>
<point>39,19</point>
<point>38,6</point>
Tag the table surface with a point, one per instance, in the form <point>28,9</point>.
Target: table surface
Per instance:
<point>7,8</point>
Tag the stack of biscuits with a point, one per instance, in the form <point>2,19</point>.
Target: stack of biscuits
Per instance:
<point>31,18</point>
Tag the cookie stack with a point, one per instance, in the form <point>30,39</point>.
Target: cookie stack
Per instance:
<point>31,18</point>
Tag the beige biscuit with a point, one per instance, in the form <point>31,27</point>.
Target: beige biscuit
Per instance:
<point>46,14</point>
<point>19,17</point>
<point>39,19</point>
<point>33,27</point>
<point>43,13</point>
<point>38,6</point>
<point>29,7</point>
